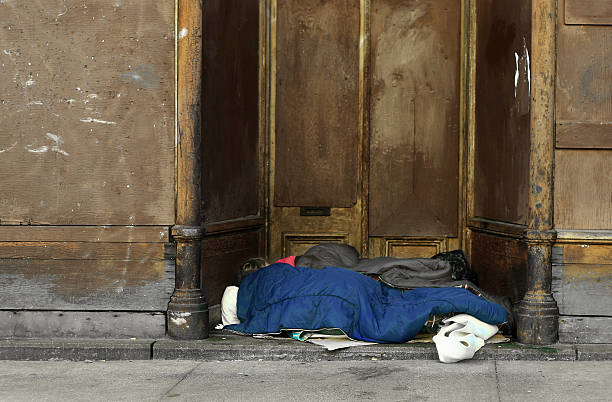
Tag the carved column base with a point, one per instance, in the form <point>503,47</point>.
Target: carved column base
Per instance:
<point>187,316</point>
<point>537,319</point>
<point>537,315</point>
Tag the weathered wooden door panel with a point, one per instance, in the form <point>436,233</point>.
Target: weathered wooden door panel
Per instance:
<point>414,149</point>
<point>502,110</point>
<point>392,166</point>
<point>315,138</point>
<point>232,151</point>
<point>583,181</point>
<point>317,103</point>
<point>86,133</point>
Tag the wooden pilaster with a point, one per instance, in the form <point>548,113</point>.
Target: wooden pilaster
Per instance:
<point>188,309</point>
<point>538,314</point>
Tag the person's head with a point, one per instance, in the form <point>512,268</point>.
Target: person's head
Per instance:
<point>249,266</point>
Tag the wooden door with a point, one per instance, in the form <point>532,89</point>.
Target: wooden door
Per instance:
<point>363,125</point>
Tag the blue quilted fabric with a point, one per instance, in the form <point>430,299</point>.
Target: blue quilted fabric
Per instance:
<point>284,297</point>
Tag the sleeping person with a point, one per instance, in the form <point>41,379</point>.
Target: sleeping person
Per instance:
<point>284,297</point>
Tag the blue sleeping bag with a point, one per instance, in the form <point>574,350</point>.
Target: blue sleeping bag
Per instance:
<point>284,297</point>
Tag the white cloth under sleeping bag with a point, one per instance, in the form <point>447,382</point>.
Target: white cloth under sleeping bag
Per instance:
<point>229,306</point>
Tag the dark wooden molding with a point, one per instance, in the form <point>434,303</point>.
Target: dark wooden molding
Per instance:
<point>234,225</point>
<point>496,227</point>
<point>188,309</point>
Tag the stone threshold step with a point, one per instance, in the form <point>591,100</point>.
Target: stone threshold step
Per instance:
<point>222,347</point>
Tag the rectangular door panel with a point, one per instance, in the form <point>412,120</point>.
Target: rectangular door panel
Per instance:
<point>414,141</point>
<point>317,103</point>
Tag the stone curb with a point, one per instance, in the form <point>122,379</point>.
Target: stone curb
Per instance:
<point>75,349</point>
<point>223,347</point>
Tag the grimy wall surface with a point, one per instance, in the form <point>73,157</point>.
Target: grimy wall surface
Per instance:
<point>582,257</point>
<point>87,166</point>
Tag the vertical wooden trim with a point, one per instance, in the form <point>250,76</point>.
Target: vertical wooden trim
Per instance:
<point>176,119</point>
<point>264,113</point>
<point>464,118</point>
<point>187,316</point>
<point>538,314</point>
<point>542,132</point>
<point>471,107</point>
<point>272,7</point>
<point>189,91</point>
<point>471,38</point>
<point>365,58</point>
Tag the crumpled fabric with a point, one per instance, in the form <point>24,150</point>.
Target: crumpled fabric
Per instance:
<point>403,273</point>
<point>282,297</point>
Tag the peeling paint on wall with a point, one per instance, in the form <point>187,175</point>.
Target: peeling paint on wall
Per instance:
<point>92,120</point>
<point>143,77</point>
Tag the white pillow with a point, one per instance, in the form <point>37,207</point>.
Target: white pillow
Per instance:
<point>229,306</point>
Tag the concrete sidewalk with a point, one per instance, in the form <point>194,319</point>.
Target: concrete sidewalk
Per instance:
<point>226,346</point>
<point>181,380</point>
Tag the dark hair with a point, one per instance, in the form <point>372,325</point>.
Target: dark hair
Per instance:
<point>249,266</point>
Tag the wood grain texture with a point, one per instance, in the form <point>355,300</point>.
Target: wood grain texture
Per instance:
<point>584,73</point>
<point>501,264</point>
<point>414,118</point>
<point>299,243</point>
<point>231,153</point>
<point>585,329</point>
<point>81,324</point>
<point>189,22</point>
<point>583,189</point>
<point>86,112</point>
<point>85,251</point>
<point>593,135</point>
<point>412,247</point>
<point>414,250</point>
<point>104,234</point>
<point>586,254</point>
<point>222,257</point>
<point>588,12</point>
<point>584,236</point>
<point>583,289</point>
<point>81,284</point>
<point>317,103</point>
<point>502,111</point>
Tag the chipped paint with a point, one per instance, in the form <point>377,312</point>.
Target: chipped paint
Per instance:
<point>61,14</point>
<point>58,141</point>
<point>182,33</point>
<point>178,318</point>
<point>56,147</point>
<point>516,72</point>
<point>9,148</point>
<point>143,77</point>
<point>528,65</point>
<point>92,120</point>
<point>40,150</point>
